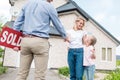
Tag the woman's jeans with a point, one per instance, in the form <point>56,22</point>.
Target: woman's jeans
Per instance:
<point>75,62</point>
<point>89,72</point>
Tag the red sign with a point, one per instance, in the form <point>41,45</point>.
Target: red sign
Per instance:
<point>10,38</point>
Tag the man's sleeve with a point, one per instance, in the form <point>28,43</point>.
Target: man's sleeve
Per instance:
<point>56,22</point>
<point>19,21</point>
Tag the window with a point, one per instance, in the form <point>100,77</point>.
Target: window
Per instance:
<point>107,54</point>
<point>103,53</point>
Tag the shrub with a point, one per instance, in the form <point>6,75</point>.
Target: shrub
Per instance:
<point>118,63</point>
<point>64,71</point>
<point>114,75</point>
<point>2,69</point>
<point>1,52</point>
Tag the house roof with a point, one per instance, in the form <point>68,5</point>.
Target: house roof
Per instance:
<point>71,6</point>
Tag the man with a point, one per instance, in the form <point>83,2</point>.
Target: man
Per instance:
<point>35,18</point>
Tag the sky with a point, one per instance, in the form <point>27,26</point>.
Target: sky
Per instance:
<point>105,12</point>
<point>4,10</point>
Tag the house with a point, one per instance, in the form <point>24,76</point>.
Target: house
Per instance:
<point>68,11</point>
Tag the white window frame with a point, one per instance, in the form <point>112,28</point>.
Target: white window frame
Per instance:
<point>106,53</point>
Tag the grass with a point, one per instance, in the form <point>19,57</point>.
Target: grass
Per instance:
<point>64,71</point>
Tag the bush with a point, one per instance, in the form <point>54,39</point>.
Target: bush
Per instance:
<point>2,69</point>
<point>118,63</point>
<point>64,71</point>
<point>114,75</point>
<point>1,52</point>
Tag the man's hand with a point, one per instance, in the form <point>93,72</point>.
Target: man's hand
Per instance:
<point>16,49</point>
<point>49,0</point>
<point>67,40</point>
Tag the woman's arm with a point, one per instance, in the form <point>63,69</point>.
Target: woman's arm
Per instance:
<point>83,39</point>
<point>68,37</point>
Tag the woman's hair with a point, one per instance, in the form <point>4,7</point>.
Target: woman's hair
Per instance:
<point>78,19</point>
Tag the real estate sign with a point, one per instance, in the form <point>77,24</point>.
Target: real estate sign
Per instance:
<point>10,38</point>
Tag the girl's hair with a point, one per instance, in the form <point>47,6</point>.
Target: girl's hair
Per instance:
<point>93,40</point>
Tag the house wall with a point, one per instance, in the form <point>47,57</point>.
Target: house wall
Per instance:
<point>57,53</point>
<point>15,10</point>
<point>102,41</point>
<point>58,3</point>
<point>19,3</point>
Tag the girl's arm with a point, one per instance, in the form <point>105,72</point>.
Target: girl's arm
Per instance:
<point>93,56</point>
<point>83,39</point>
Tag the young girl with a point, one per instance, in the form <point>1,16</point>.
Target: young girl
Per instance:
<point>75,50</point>
<point>89,56</point>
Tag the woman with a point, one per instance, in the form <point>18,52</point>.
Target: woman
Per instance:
<point>75,50</point>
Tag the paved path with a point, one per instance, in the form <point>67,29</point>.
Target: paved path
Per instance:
<point>51,75</point>
<point>12,72</point>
